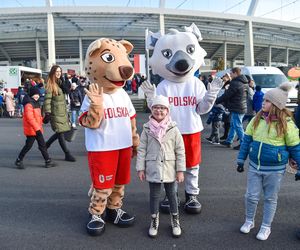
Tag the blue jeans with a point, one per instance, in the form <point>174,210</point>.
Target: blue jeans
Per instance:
<point>297,117</point>
<point>269,184</point>
<point>236,127</point>
<point>75,114</point>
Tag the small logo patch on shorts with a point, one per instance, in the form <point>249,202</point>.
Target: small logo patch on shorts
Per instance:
<point>109,177</point>
<point>101,178</point>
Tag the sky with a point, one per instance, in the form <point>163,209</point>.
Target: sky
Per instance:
<point>286,10</point>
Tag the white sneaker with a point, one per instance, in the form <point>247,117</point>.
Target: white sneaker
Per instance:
<point>248,225</point>
<point>74,125</point>
<point>263,233</point>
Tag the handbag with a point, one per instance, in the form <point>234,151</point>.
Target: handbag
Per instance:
<point>71,134</point>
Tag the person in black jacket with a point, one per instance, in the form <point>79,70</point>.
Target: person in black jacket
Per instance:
<point>235,97</point>
<point>75,103</point>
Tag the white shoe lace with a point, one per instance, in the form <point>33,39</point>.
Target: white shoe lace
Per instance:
<point>120,213</point>
<point>96,217</point>
<point>192,199</point>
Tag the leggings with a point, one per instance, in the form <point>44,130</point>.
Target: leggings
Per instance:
<point>155,190</point>
<point>61,140</point>
<point>29,143</point>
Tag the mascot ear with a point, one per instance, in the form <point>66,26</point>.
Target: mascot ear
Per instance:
<point>151,39</point>
<point>194,29</point>
<point>93,47</point>
<point>128,46</point>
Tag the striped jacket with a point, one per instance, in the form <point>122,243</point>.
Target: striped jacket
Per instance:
<point>267,151</point>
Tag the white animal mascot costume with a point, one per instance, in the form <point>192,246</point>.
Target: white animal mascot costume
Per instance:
<point>176,57</point>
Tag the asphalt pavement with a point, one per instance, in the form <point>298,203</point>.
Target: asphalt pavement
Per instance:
<point>47,208</point>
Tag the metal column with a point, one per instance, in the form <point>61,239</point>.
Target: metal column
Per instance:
<point>249,48</point>
<point>80,57</point>
<point>51,36</point>
<point>38,53</point>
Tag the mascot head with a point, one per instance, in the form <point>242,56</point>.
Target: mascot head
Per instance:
<point>107,63</point>
<point>176,55</point>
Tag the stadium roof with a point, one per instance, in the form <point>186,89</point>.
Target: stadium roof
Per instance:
<point>275,23</point>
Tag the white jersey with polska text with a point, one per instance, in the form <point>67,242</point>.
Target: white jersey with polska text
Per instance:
<point>114,131</point>
<point>184,98</point>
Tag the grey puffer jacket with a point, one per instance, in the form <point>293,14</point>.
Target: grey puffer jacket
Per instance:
<point>161,161</point>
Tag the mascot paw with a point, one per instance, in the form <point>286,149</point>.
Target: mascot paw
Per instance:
<point>149,89</point>
<point>215,85</point>
<point>95,94</point>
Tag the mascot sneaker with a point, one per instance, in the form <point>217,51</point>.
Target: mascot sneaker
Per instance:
<point>153,230</point>
<point>96,225</point>
<point>247,226</point>
<point>119,217</point>
<point>192,205</point>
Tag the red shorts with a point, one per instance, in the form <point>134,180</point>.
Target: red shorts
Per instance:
<point>108,168</point>
<point>192,145</point>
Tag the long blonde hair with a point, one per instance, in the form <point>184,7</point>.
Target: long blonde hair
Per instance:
<point>281,115</point>
<point>52,82</point>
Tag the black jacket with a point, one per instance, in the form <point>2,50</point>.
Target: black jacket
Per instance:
<point>235,95</point>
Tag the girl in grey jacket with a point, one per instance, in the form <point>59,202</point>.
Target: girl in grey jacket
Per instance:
<point>161,160</point>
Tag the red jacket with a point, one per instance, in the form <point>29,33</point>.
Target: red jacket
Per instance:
<point>32,118</point>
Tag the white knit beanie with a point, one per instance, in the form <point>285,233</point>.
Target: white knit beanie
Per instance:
<point>278,96</point>
<point>161,100</point>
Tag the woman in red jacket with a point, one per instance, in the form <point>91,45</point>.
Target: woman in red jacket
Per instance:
<point>32,125</point>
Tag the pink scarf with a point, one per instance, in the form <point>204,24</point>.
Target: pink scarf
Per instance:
<point>159,129</point>
<point>268,118</point>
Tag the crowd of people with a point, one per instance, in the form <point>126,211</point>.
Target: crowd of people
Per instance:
<point>237,104</point>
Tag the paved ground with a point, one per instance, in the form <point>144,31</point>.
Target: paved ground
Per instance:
<point>47,208</point>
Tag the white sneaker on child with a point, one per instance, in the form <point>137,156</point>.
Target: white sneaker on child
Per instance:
<point>263,233</point>
<point>247,226</point>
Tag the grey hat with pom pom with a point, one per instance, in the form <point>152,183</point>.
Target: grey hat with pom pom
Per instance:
<point>278,96</point>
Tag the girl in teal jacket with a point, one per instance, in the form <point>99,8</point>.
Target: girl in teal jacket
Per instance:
<point>271,138</point>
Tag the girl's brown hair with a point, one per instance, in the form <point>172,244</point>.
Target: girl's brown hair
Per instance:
<point>52,82</point>
<point>281,116</point>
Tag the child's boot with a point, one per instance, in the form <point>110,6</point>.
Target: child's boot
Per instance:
<point>96,225</point>
<point>19,164</point>
<point>153,230</point>
<point>49,163</point>
<point>263,233</point>
<point>247,226</point>
<point>176,230</point>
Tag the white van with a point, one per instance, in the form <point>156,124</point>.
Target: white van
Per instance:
<point>12,76</point>
<point>268,78</point>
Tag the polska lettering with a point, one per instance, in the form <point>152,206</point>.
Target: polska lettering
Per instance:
<point>116,112</point>
<point>183,101</point>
